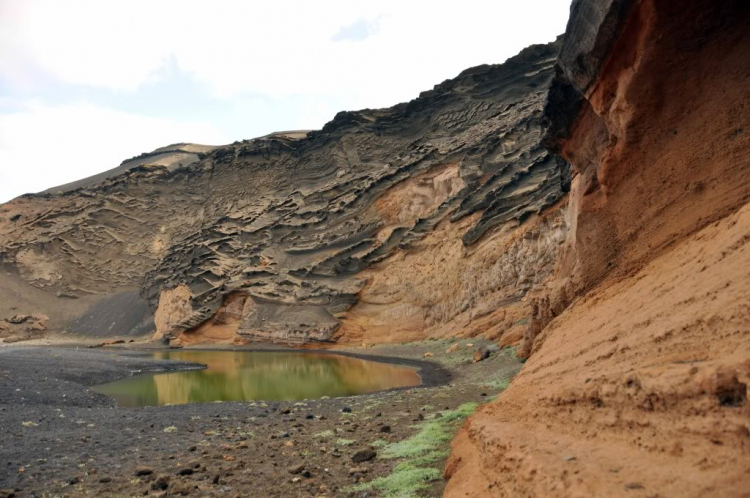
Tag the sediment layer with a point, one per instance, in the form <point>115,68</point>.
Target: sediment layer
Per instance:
<point>636,383</point>
<point>279,238</point>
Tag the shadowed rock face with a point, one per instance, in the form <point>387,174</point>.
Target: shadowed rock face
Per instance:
<point>269,238</point>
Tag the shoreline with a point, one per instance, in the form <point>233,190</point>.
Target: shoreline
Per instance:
<point>55,430</point>
<point>431,373</point>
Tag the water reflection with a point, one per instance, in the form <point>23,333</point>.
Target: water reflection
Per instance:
<point>246,376</point>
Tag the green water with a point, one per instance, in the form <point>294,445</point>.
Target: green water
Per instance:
<point>248,376</point>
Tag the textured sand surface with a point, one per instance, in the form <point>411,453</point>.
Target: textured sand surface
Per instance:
<point>639,346</point>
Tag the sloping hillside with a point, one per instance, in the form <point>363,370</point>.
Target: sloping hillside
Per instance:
<point>302,237</point>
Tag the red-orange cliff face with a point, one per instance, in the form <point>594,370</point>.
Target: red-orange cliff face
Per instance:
<point>640,345</point>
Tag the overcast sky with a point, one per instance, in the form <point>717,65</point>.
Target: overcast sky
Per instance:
<point>86,84</point>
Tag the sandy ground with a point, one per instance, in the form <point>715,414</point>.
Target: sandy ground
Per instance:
<point>655,404</point>
<point>59,437</point>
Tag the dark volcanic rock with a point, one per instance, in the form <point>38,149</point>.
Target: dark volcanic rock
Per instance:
<point>267,238</point>
<point>296,469</point>
<point>364,455</point>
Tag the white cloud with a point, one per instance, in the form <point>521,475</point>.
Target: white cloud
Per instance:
<point>272,48</point>
<point>251,54</point>
<point>43,146</point>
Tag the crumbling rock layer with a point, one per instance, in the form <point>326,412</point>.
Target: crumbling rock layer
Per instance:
<point>442,288</point>
<point>639,345</point>
<point>274,238</point>
<point>23,327</point>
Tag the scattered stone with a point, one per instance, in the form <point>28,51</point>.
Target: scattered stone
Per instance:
<point>634,485</point>
<point>428,355</point>
<point>296,480</point>
<point>180,489</point>
<point>568,458</point>
<point>346,409</point>
<point>144,471</point>
<point>296,469</point>
<point>386,429</point>
<point>105,479</point>
<point>307,474</point>
<point>160,483</point>
<point>106,343</point>
<point>74,480</point>
<point>358,470</point>
<point>187,471</point>
<point>7,493</point>
<point>364,455</point>
<point>453,348</point>
<point>310,416</point>
<point>481,354</point>
<point>192,448</point>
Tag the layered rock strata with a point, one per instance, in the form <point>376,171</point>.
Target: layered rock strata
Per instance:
<point>639,344</point>
<point>23,327</point>
<point>291,237</point>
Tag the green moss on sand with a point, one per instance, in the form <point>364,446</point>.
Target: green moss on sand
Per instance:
<point>422,449</point>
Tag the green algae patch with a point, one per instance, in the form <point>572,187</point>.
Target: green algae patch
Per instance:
<point>427,446</point>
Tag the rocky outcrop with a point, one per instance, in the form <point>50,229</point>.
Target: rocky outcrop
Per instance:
<point>291,237</point>
<point>443,288</point>
<point>639,362</point>
<point>170,157</point>
<point>23,327</point>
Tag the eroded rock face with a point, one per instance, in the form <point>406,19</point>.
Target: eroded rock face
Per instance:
<point>442,288</point>
<point>639,344</point>
<point>20,327</point>
<point>274,238</point>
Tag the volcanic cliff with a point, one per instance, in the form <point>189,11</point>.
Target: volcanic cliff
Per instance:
<point>587,200</point>
<point>429,218</point>
<point>640,342</point>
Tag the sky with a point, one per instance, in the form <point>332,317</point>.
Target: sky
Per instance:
<point>86,84</point>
